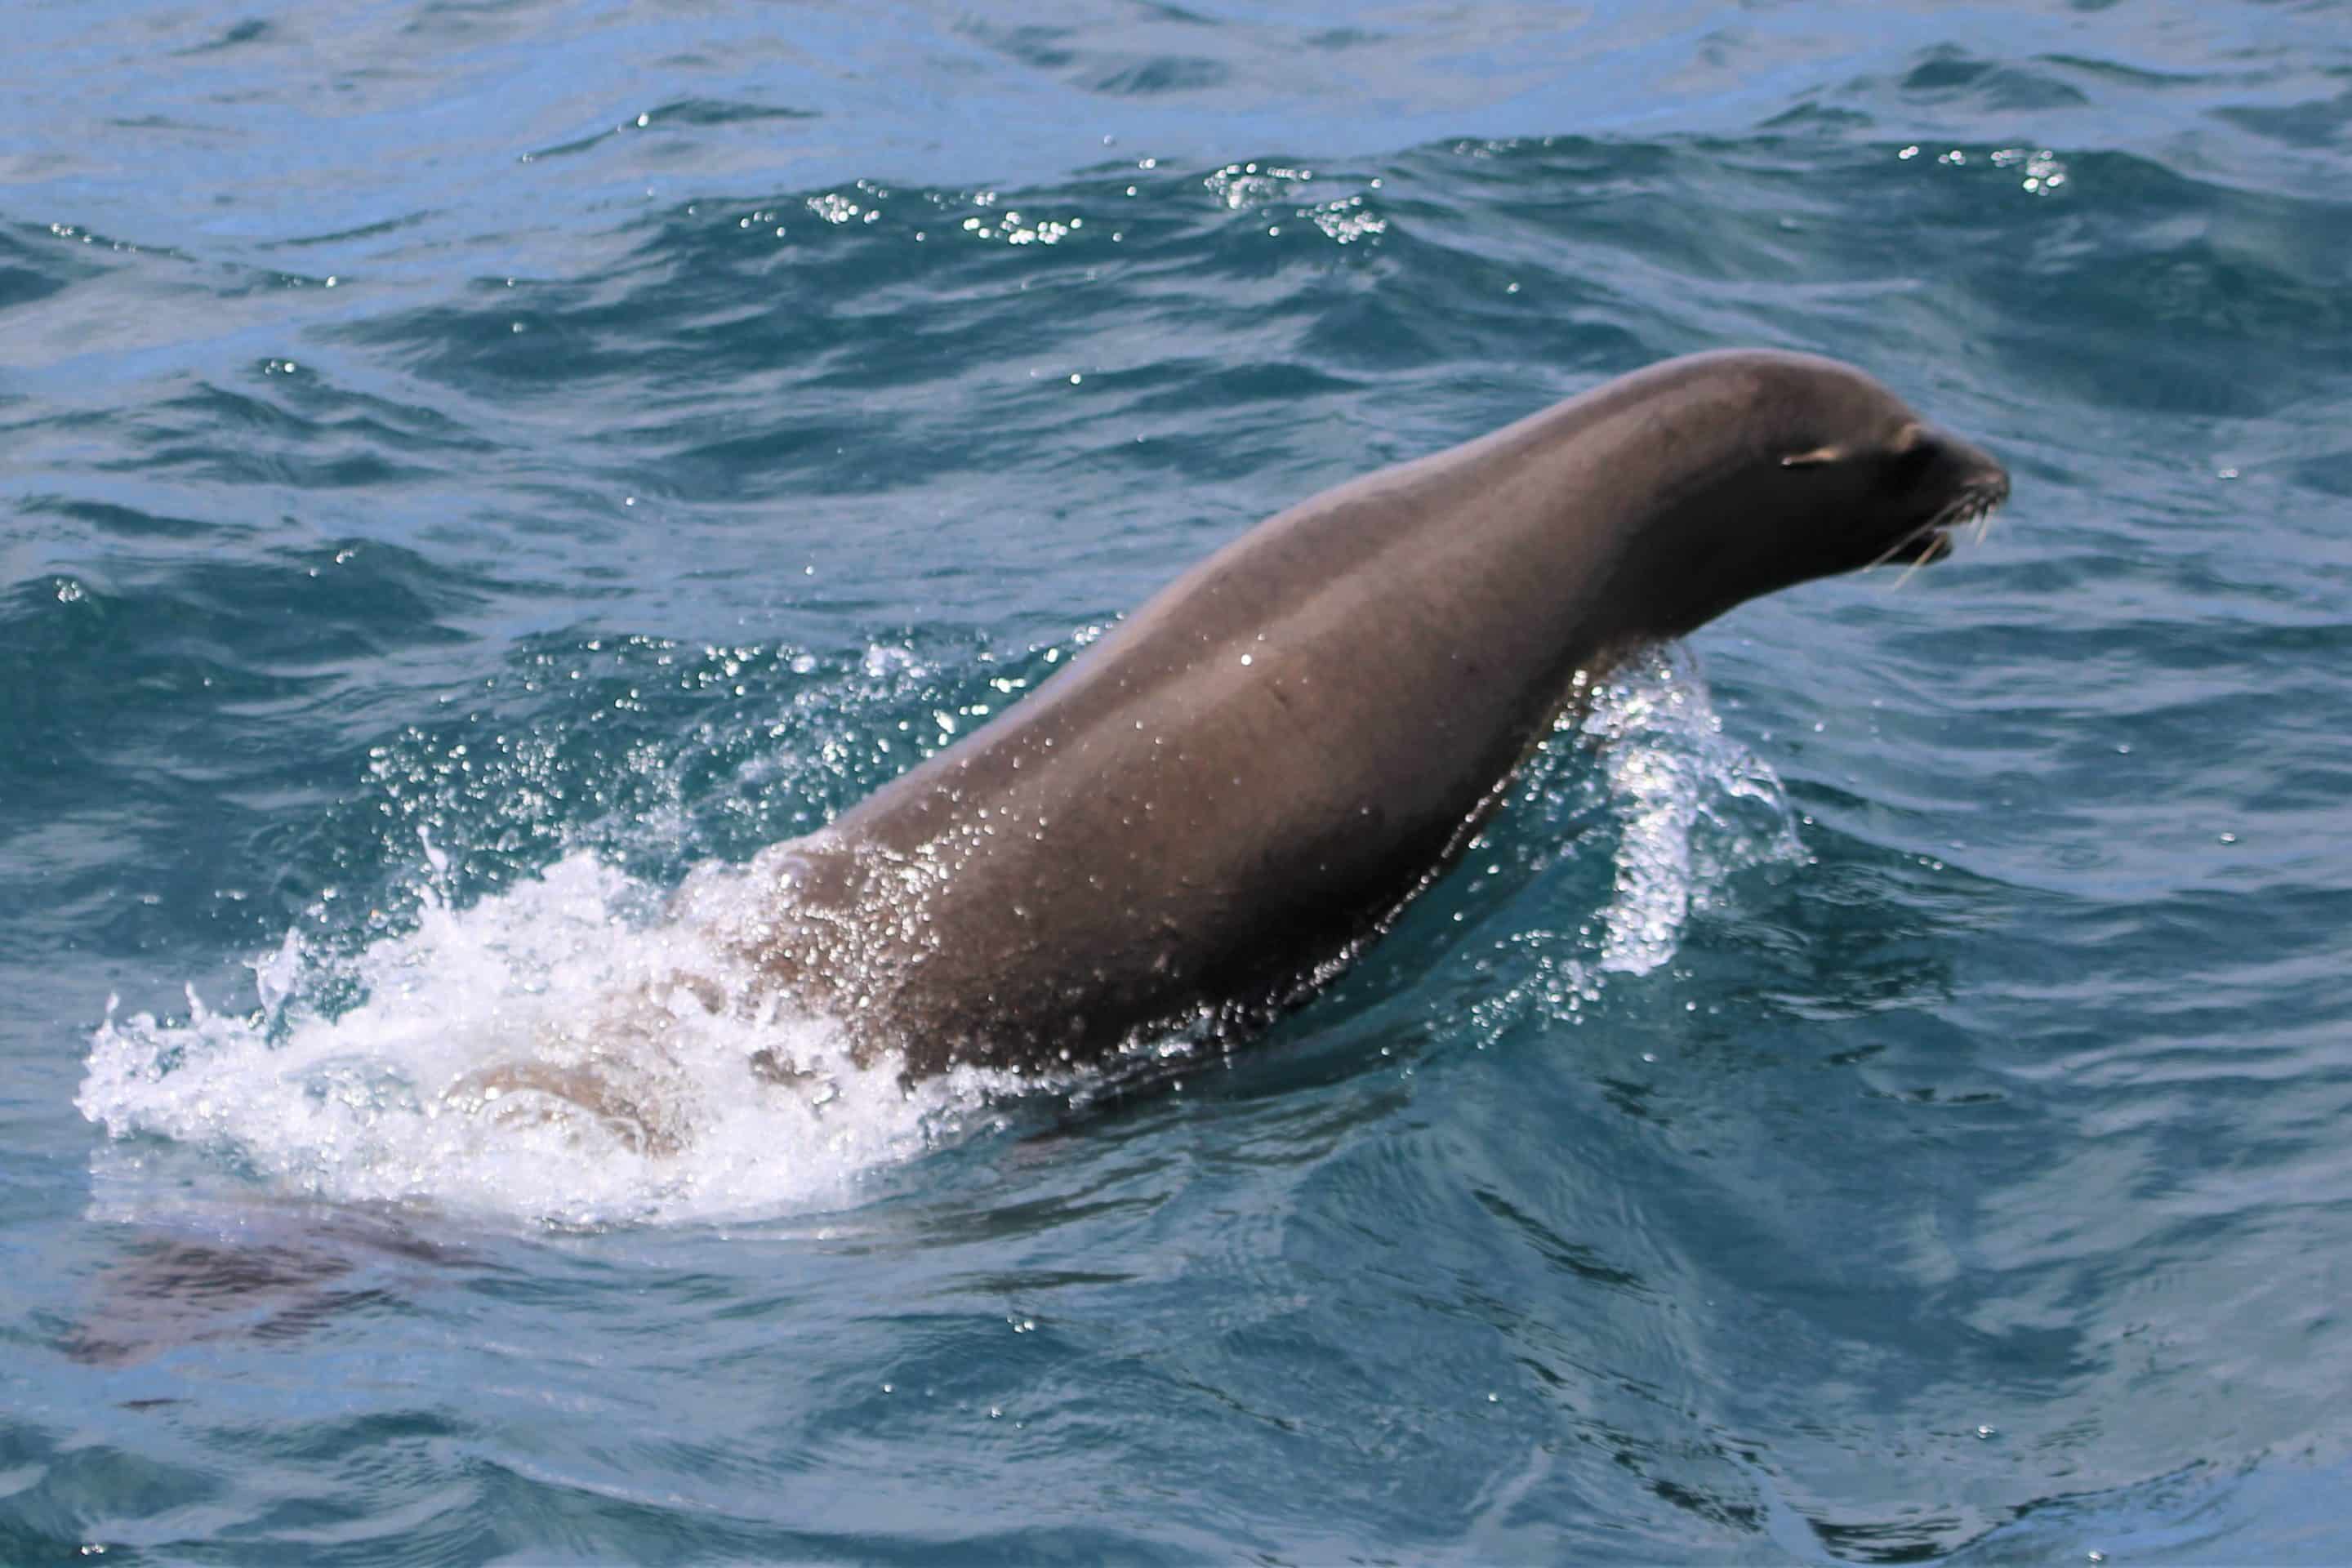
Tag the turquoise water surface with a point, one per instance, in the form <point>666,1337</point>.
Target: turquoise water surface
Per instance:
<point>1878,1095</point>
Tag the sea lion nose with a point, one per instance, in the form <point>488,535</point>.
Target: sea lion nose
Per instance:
<point>1969,467</point>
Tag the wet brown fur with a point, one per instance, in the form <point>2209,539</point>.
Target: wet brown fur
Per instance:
<point>1227,796</point>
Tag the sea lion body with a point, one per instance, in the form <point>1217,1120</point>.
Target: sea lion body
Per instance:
<point>1224,798</point>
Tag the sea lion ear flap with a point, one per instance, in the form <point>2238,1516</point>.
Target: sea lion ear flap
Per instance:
<point>1814,458</point>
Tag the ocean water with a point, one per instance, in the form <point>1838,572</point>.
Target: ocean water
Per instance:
<point>1876,1095</point>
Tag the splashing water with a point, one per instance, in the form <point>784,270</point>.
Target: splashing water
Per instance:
<point>1680,782</point>
<point>311,1095</point>
<point>358,1107</point>
<point>1680,807</point>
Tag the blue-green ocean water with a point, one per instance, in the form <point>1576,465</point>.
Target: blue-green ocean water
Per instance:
<point>466,464</point>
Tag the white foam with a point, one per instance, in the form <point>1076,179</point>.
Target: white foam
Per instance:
<point>353,1107</point>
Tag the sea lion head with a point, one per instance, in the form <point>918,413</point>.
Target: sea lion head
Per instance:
<point>1812,468</point>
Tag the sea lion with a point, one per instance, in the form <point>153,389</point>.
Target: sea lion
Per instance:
<point>1229,796</point>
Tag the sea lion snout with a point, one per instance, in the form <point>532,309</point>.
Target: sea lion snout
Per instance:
<point>1935,482</point>
<point>1966,468</point>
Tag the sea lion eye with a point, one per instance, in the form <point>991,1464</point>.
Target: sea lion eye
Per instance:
<point>1814,458</point>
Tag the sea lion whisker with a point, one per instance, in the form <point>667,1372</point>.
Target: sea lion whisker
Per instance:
<point>1900,546</point>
